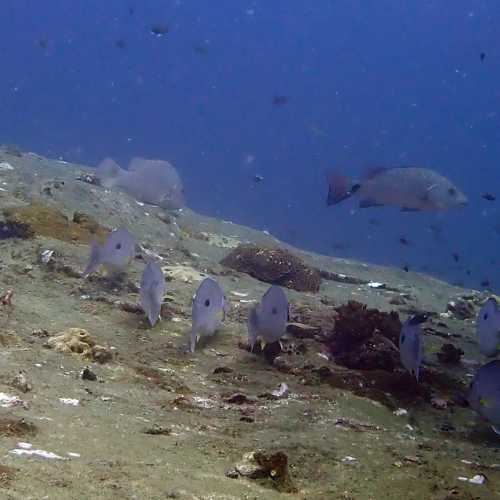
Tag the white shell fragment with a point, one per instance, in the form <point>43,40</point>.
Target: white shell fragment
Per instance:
<point>38,453</point>
<point>7,401</point>
<point>69,401</point>
<point>375,284</point>
<point>6,166</point>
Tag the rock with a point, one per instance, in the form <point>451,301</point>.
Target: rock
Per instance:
<point>450,354</point>
<point>461,309</point>
<point>21,382</point>
<point>88,374</point>
<point>275,266</point>
<point>238,399</point>
<point>79,341</point>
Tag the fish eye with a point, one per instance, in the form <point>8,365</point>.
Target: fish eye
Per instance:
<point>118,246</point>
<point>207,302</point>
<point>485,316</point>
<point>452,191</point>
<point>403,339</point>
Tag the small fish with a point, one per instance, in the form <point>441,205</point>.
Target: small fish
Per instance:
<point>209,309</point>
<point>406,268</point>
<point>121,44</point>
<point>410,344</point>
<point>201,48</point>
<point>486,283</point>
<point>268,319</point>
<point>43,43</point>
<point>456,256</point>
<point>280,100</point>
<point>482,56</point>
<point>488,328</point>
<point>258,178</point>
<point>115,254</point>
<point>159,29</point>
<point>484,393</point>
<point>155,182</point>
<point>488,196</point>
<point>152,291</point>
<point>410,188</point>
<point>404,241</point>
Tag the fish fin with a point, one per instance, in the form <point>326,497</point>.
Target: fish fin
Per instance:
<point>496,429</point>
<point>94,259</point>
<point>368,202</point>
<point>408,209</point>
<point>372,172</point>
<point>340,187</point>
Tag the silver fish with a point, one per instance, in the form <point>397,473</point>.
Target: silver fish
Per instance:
<point>115,254</point>
<point>484,393</point>
<point>410,344</point>
<point>155,182</point>
<point>269,318</point>
<point>152,291</point>
<point>488,328</point>
<point>410,188</point>
<point>209,309</point>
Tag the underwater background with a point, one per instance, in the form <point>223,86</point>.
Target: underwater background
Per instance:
<point>285,90</point>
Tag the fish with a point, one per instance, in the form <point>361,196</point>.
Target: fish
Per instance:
<point>155,182</point>
<point>268,319</point>
<point>456,256</point>
<point>209,309</point>
<point>488,196</point>
<point>404,241</point>
<point>152,291</point>
<point>482,56</point>
<point>410,344</point>
<point>409,188</point>
<point>280,100</point>
<point>488,328</point>
<point>115,254</point>
<point>483,394</point>
<point>486,283</point>
<point>120,44</point>
<point>258,178</point>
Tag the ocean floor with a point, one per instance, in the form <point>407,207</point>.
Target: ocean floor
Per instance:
<point>149,420</point>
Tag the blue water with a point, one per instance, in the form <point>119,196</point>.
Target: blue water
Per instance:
<point>369,83</point>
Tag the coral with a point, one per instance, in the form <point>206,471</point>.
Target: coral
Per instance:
<point>38,219</point>
<point>275,266</point>
<point>365,338</point>
<point>79,341</point>
<point>450,354</point>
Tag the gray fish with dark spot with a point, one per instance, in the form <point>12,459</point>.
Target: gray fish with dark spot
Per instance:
<point>410,344</point>
<point>410,188</point>
<point>152,291</point>
<point>484,393</point>
<point>488,328</point>
<point>269,318</point>
<point>115,254</point>
<point>155,182</point>
<point>209,309</point>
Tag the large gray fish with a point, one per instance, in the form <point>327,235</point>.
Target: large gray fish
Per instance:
<point>209,309</point>
<point>488,328</point>
<point>410,188</point>
<point>410,344</point>
<point>155,182</point>
<point>115,254</point>
<point>484,393</point>
<point>268,319</point>
<point>152,291</point>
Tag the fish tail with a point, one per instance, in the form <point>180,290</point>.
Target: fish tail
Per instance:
<point>340,187</point>
<point>94,260</point>
<point>108,172</point>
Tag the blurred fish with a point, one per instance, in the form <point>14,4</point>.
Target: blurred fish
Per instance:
<point>456,256</point>
<point>486,283</point>
<point>404,241</point>
<point>406,268</point>
<point>201,48</point>
<point>159,29</point>
<point>121,44</point>
<point>115,254</point>
<point>488,196</point>
<point>411,188</point>
<point>488,328</point>
<point>482,56</point>
<point>209,309</point>
<point>258,178</point>
<point>280,100</point>
<point>151,181</point>
<point>43,43</point>
<point>152,291</point>
<point>410,344</point>
<point>268,319</point>
<point>484,393</point>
